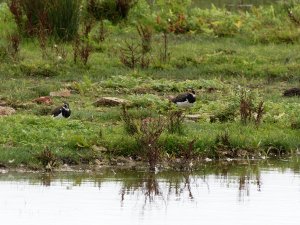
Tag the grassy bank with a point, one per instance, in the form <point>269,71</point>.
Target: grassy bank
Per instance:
<point>222,69</point>
<point>98,133</point>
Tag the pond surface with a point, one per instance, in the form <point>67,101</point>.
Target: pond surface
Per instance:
<point>261,193</point>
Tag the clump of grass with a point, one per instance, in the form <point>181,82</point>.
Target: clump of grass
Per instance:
<point>130,124</point>
<point>295,124</point>
<point>175,120</point>
<point>225,115</point>
<point>248,111</point>
<point>38,69</point>
<point>47,158</point>
<point>223,146</point>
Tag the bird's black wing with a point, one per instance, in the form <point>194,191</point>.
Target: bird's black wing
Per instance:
<point>180,98</point>
<point>56,111</point>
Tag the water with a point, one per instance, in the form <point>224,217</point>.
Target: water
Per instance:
<point>263,193</point>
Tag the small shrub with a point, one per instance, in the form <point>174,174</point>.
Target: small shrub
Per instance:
<point>180,25</point>
<point>102,32</point>
<point>16,9</point>
<point>14,45</point>
<point>130,124</point>
<point>84,86</point>
<point>130,55</point>
<point>164,53</point>
<point>82,49</point>
<point>260,110</point>
<point>150,132</point>
<point>145,33</point>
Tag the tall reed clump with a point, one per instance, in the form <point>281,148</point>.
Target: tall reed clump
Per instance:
<point>64,18</point>
<point>59,17</point>
<point>35,12</point>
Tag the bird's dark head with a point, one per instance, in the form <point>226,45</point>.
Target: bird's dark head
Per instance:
<point>192,91</point>
<point>66,106</point>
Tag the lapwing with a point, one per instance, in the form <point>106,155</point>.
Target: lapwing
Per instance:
<point>185,100</point>
<point>62,111</point>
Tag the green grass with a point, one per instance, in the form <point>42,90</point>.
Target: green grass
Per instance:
<point>217,68</point>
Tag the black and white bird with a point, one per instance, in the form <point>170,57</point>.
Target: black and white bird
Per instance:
<point>185,100</point>
<point>62,111</point>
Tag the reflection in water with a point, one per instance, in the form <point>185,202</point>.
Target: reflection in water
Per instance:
<point>233,191</point>
<point>150,186</point>
<point>183,185</point>
<point>147,185</point>
<point>46,179</point>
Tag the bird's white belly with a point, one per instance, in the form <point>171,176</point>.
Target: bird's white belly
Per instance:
<point>59,116</point>
<point>184,104</point>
